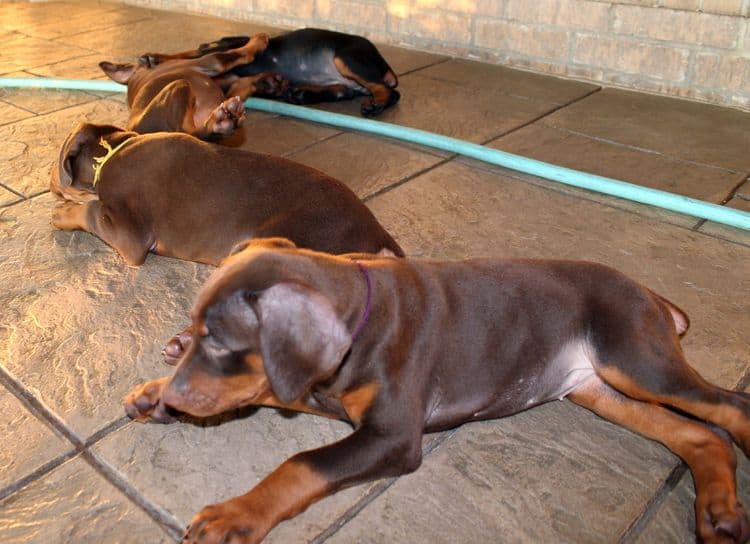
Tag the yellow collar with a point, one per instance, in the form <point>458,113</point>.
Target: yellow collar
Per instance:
<point>99,161</point>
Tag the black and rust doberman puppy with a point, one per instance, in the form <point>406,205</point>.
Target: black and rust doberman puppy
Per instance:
<point>401,347</point>
<point>319,66</point>
<point>178,196</point>
<point>184,95</point>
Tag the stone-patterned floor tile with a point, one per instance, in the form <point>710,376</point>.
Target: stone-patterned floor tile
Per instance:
<point>165,33</point>
<point>31,147</point>
<point>378,162</point>
<point>10,113</point>
<point>653,170</point>
<point>677,128</point>
<point>108,15</point>
<point>505,80</point>
<point>41,101</point>
<point>81,327</point>
<point>652,212</point>
<point>28,443</point>
<point>84,67</point>
<point>555,473</point>
<point>26,53</point>
<point>74,504</point>
<point>21,15</point>
<point>264,133</point>
<point>184,467</point>
<point>403,60</point>
<point>456,211</point>
<point>452,109</point>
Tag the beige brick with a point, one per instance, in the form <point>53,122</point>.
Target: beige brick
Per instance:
<point>631,57</point>
<point>585,14</point>
<point>722,72</point>
<point>686,5</point>
<point>519,38</point>
<point>353,14</point>
<point>678,26</point>
<point>493,8</point>
<point>286,8</point>
<point>727,7</point>
<point>434,24</point>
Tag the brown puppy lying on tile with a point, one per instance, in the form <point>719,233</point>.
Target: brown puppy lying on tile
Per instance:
<point>403,347</point>
<point>177,196</point>
<point>185,95</point>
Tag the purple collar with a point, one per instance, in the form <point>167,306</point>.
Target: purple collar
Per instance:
<point>368,305</point>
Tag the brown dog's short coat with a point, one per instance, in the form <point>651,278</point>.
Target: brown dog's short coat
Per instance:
<point>437,344</point>
<point>178,196</point>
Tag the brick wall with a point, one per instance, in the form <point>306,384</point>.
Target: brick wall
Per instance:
<point>697,49</point>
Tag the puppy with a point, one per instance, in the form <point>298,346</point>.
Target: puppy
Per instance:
<point>174,195</point>
<point>319,66</point>
<point>403,347</point>
<point>185,95</point>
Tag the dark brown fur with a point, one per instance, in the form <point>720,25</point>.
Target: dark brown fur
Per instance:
<point>445,343</point>
<point>175,195</point>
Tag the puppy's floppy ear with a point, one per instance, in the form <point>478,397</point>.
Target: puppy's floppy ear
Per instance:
<point>271,243</point>
<point>302,340</point>
<point>121,73</point>
<point>84,134</point>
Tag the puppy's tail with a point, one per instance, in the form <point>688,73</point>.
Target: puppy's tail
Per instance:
<point>680,318</point>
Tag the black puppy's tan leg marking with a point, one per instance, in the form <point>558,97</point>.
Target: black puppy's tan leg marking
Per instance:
<point>215,64</point>
<point>719,517</point>
<point>383,96</point>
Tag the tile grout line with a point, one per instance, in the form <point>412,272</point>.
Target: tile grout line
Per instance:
<point>414,70</point>
<point>543,115</point>
<point>165,519</point>
<point>373,494</point>
<point>724,201</point>
<point>636,527</point>
<point>162,517</point>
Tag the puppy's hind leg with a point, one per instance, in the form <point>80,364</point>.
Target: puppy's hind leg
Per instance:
<point>718,515</point>
<point>372,73</point>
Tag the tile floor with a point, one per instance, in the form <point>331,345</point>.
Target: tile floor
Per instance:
<point>78,328</point>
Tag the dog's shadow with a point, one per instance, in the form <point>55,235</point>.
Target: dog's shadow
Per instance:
<point>232,415</point>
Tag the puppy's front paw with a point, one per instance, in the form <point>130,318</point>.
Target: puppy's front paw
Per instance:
<point>68,216</point>
<point>177,346</point>
<point>227,522</point>
<point>144,403</point>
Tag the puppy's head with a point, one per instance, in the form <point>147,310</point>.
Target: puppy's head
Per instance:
<point>258,333</point>
<point>73,178</point>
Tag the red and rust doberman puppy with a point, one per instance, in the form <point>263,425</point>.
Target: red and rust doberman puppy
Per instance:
<point>318,66</point>
<point>178,196</point>
<point>401,347</point>
<point>186,95</point>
